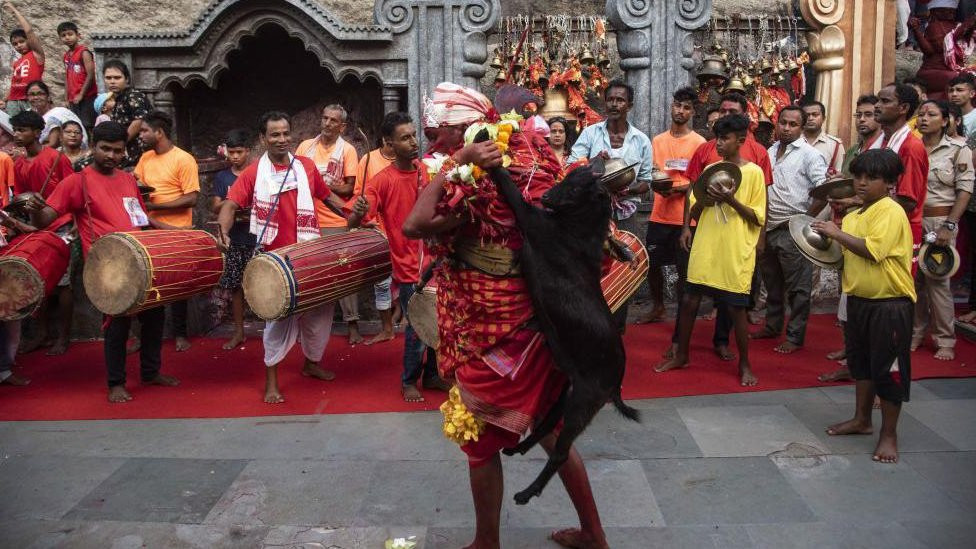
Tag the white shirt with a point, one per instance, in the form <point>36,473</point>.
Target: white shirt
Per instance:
<point>801,168</point>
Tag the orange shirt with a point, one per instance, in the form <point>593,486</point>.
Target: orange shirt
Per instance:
<point>377,163</point>
<point>392,195</point>
<point>672,154</point>
<point>173,174</point>
<point>321,155</point>
<point>6,178</point>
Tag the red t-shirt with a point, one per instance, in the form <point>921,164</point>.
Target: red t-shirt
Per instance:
<point>108,197</point>
<point>707,154</point>
<point>242,192</point>
<point>913,183</point>
<point>392,194</point>
<point>30,173</point>
<point>26,69</point>
<point>75,73</point>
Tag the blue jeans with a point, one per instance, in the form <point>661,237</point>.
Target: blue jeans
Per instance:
<point>416,362</point>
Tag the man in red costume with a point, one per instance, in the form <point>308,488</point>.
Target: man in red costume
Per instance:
<point>505,375</point>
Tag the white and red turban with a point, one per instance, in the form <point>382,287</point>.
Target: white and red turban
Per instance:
<point>454,105</point>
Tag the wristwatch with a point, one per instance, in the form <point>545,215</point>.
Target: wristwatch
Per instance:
<point>951,225</point>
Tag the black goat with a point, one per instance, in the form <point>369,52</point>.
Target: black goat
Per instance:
<point>560,260</point>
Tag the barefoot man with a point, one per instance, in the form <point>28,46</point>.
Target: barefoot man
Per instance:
<point>104,199</point>
<point>505,376</point>
<point>877,278</point>
<point>277,222</point>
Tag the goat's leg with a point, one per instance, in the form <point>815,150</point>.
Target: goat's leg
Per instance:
<point>544,427</point>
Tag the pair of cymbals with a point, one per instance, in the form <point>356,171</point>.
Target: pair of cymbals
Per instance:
<point>726,174</point>
<point>818,249</point>
<point>835,189</point>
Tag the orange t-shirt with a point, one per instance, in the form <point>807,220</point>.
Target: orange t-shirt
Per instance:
<point>377,163</point>
<point>6,178</point>
<point>321,155</point>
<point>173,174</point>
<point>672,154</point>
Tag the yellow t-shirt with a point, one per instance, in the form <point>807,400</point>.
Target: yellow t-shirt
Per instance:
<point>322,156</point>
<point>723,254</point>
<point>173,174</point>
<point>885,230</point>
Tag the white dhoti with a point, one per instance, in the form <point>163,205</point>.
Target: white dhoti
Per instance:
<point>312,328</point>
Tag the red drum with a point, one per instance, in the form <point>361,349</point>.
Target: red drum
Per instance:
<point>30,268</point>
<point>304,275</point>
<point>623,279</point>
<point>129,272</point>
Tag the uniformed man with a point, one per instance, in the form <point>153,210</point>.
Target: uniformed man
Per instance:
<point>829,146</point>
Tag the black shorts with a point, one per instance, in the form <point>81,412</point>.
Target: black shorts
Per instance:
<point>726,297</point>
<point>663,244</point>
<point>879,333</point>
<point>235,260</point>
<point>86,112</point>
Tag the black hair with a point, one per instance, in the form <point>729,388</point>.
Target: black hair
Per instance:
<point>391,121</point>
<point>18,33</point>
<point>110,131</point>
<point>814,103</point>
<point>117,65</point>
<point>618,83</point>
<point>878,163</point>
<point>943,107</point>
<point>907,95</point>
<point>27,119</point>
<point>268,117</point>
<point>67,26</point>
<point>955,111</point>
<point>238,137</point>
<point>73,123</point>
<point>686,93</point>
<point>159,120</point>
<point>913,81</point>
<point>794,108</point>
<point>571,134</point>
<point>39,84</point>
<point>963,78</point>
<point>737,98</point>
<point>733,123</point>
<point>867,99</point>
<point>712,111</point>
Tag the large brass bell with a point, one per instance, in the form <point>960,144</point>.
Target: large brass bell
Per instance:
<point>496,61</point>
<point>556,104</point>
<point>712,66</point>
<point>603,61</point>
<point>747,80</point>
<point>766,66</point>
<point>586,56</point>
<point>736,84</point>
<point>502,76</point>
<point>518,64</point>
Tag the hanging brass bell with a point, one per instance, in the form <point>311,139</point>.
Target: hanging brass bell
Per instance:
<point>735,84</point>
<point>747,80</point>
<point>766,65</point>
<point>586,56</point>
<point>496,62</point>
<point>518,64</point>
<point>603,61</point>
<point>502,76</point>
<point>792,65</point>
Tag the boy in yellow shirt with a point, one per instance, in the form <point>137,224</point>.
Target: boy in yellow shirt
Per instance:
<point>877,277</point>
<point>723,251</point>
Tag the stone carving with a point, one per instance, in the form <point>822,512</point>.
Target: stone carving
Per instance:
<point>655,45</point>
<point>827,45</point>
<point>821,13</point>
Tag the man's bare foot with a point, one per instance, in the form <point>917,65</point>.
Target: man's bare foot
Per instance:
<point>724,353</point>
<point>916,343</point>
<point>437,384</point>
<point>164,380</point>
<point>969,317</point>
<point>577,539</point>
<point>397,313</point>
<point>747,378</point>
<point>669,353</point>
<point>840,354</point>
<point>118,394</point>
<point>312,369</point>
<point>765,333</point>
<point>133,347</point>
<point>840,374</point>
<point>411,393</point>
<point>354,336</point>
<point>887,449</point>
<point>182,344</point>
<point>381,337</point>
<point>850,427</point>
<point>674,363</point>
<point>944,353</point>
<point>233,342</point>
<point>273,396</point>
<point>655,315</point>
<point>15,380</point>
<point>59,348</point>
<point>710,315</point>
<point>786,347</point>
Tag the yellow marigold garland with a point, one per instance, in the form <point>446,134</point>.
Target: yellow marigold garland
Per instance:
<point>459,424</point>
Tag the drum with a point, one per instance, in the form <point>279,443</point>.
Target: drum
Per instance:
<point>301,276</point>
<point>622,280</point>
<point>129,272</point>
<point>30,268</point>
<point>422,315</point>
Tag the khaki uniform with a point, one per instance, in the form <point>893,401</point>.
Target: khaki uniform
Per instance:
<point>832,150</point>
<point>950,171</point>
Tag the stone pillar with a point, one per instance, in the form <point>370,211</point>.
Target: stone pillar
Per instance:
<point>391,99</point>
<point>655,44</point>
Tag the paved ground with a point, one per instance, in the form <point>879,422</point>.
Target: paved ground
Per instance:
<point>729,471</point>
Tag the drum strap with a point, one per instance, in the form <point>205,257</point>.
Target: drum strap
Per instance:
<point>84,195</point>
<point>427,275</point>
<point>274,205</point>
<point>51,172</point>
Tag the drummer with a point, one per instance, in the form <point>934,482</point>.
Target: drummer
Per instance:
<point>103,199</point>
<point>279,221</point>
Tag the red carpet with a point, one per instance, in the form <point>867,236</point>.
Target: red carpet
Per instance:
<point>218,383</point>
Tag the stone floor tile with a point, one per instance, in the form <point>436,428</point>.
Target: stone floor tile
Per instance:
<point>855,489</point>
<point>378,437</point>
<point>294,492</point>
<point>47,487</point>
<point>302,537</point>
<point>951,419</point>
<point>740,431</point>
<point>723,491</point>
<point>953,472</point>
<point>958,534</point>
<point>716,537</point>
<point>661,433</point>
<point>953,388</point>
<point>138,535</point>
<point>844,394</point>
<point>159,490</point>
<point>417,493</point>
<point>821,535</point>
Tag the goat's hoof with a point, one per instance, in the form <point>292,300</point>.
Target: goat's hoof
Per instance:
<point>524,496</point>
<point>509,451</point>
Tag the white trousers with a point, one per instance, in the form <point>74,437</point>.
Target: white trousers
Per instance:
<point>312,327</point>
